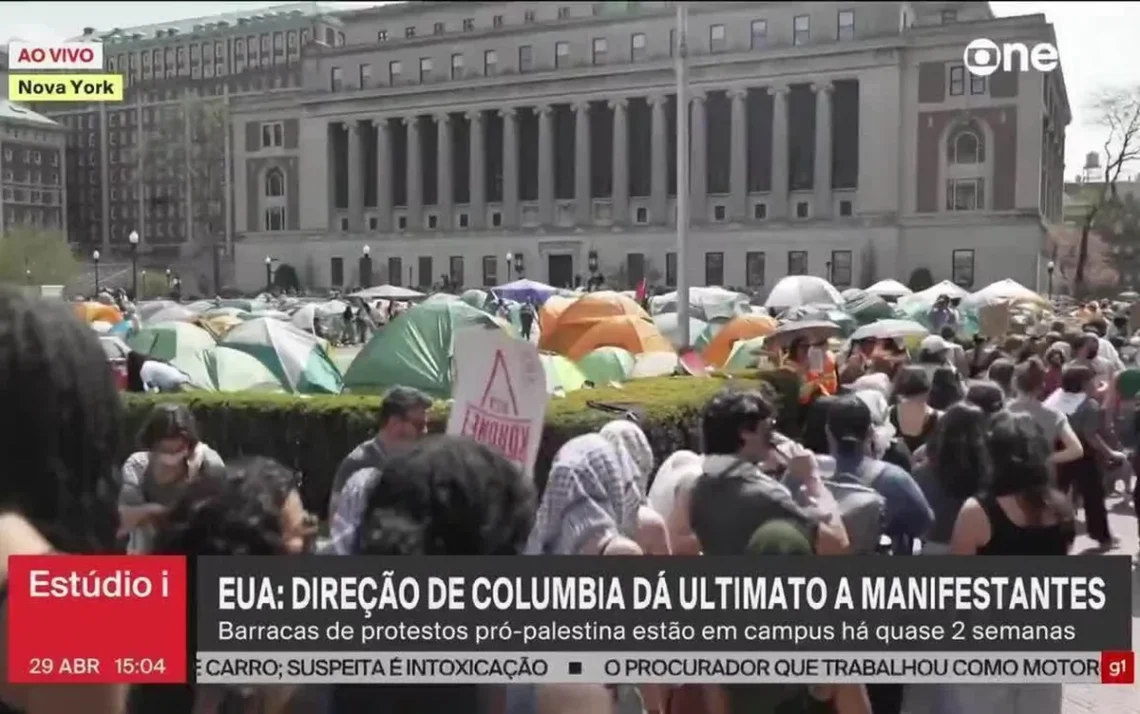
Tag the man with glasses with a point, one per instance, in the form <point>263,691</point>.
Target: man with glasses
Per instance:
<point>403,420</point>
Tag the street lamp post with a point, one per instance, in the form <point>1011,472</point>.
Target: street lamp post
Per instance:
<point>681,74</point>
<point>268,272</point>
<point>519,265</point>
<point>95,259</point>
<point>366,267</point>
<point>510,257</point>
<point>28,275</point>
<point>134,241</point>
<point>142,286</point>
<point>592,266</point>
<point>1049,268</point>
<point>168,274</point>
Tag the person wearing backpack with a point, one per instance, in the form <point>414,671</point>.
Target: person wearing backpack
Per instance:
<point>850,431</point>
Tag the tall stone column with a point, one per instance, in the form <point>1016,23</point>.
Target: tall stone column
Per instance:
<point>444,189</point>
<point>738,153</point>
<point>659,176</point>
<point>510,167</point>
<point>619,198</point>
<point>698,161</point>
<point>355,177</point>
<point>778,196</point>
<point>822,173</point>
<point>583,201</point>
<point>415,182</point>
<point>383,173</point>
<point>545,165</point>
<point>478,175</point>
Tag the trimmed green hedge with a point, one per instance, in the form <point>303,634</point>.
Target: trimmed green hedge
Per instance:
<point>313,434</point>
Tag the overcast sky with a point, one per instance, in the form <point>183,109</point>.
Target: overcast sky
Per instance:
<point>1098,43</point>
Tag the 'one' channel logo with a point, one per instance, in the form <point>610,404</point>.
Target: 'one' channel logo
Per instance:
<point>984,57</point>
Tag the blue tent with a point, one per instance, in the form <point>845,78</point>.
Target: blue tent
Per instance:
<point>525,291</point>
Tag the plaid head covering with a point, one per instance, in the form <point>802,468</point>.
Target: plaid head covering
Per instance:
<point>626,436</point>
<point>591,492</point>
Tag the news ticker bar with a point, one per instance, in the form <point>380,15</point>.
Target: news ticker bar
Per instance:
<point>664,668</point>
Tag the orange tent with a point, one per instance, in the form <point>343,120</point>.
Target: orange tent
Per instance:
<point>550,311</point>
<point>627,331</point>
<point>98,312</point>
<point>577,319</point>
<point>741,327</point>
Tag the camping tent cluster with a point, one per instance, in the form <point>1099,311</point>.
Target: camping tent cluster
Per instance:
<point>586,338</point>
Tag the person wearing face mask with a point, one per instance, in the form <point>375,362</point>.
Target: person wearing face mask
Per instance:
<point>816,366</point>
<point>155,477</point>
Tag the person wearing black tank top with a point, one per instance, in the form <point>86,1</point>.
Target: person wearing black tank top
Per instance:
<point>914,420</point>
<point>60,427</point>
<point>1020,514</point>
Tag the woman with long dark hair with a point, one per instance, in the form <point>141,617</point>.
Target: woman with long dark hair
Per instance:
<point>60,427</point>
<point>1019,514</point>
<point>957,467</point>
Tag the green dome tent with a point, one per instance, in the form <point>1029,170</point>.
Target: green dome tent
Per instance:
<point>296,358</point>
<point>415,349</point>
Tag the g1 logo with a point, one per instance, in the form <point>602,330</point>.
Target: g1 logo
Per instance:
<point>983,57</point>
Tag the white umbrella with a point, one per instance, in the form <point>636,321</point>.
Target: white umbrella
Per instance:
<point>1006,290</point>
<point>796,290</point>
<point>388,292</point>
<point>654,364</point>
<point>706,303</point>
<point>889,288</point>
<point>931,294</point>
<point>172,313</point>
<point>889,329</point>
<point>101,327</point>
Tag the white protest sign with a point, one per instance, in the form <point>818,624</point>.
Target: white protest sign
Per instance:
<point>500,394</point>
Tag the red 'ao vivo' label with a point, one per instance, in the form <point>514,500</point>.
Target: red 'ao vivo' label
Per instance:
<point>61,55</point>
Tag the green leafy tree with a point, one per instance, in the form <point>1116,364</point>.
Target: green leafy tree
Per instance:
<point>1118,111</point>
<point>36,256</point>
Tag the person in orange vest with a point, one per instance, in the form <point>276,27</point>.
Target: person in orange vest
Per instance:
<point>816,366</point>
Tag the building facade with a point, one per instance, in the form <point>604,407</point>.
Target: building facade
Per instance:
<point>32,170</point>
<point>157,163</point>
<point>841,141</point>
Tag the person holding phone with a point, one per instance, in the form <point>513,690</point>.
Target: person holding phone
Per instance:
<point>734,496</point>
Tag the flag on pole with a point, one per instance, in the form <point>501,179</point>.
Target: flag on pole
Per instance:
<point>641,288</point>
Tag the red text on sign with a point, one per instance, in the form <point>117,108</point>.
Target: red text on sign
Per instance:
<point>55,55</point>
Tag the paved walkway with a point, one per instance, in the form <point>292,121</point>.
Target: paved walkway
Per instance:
<point>1106,699</point>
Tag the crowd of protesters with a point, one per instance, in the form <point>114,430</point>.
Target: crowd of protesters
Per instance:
<point>972,467</point>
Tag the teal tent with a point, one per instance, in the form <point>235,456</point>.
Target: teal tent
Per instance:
<point>415,349</point>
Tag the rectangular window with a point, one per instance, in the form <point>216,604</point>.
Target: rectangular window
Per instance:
<point>600,48</point>
<point>965,195</point>
<point>336,270</point>
<point>717,39</point>
<point>426,66</point>
<point>457,66</point>
<point>497,21</point>
<point>846,23</point>
<point>637,45</point>
<point>365,76</point>
<point>978,85</point>
<point>759,34</point>
<point>962,268</point>
<point>381,35</point>
<point>409,32</point>
<point>526,59</point>
<point>336,82</point>
<point>797,262</point>
<point>672,43</point>
<point>634,268</point>
<point>957,81</point>
<point>455,270</point>
<point>561,54</point>
<point>754,268</point>
<point>272,134</point>
<point>841,263</point>
<point>395,69</point>
<point>714,269</point>
<point>490,63</point>
<point>438,28</point>
<point>563,12</point>
<point>395,271</point>
<point>801,30</point>
<point>949,16</point>
<point>490,271</point>
<point>275,218</point>
<point>528,16</point>
<point>468,24</point>
<point>670,270</point>
<point>425,271</point>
